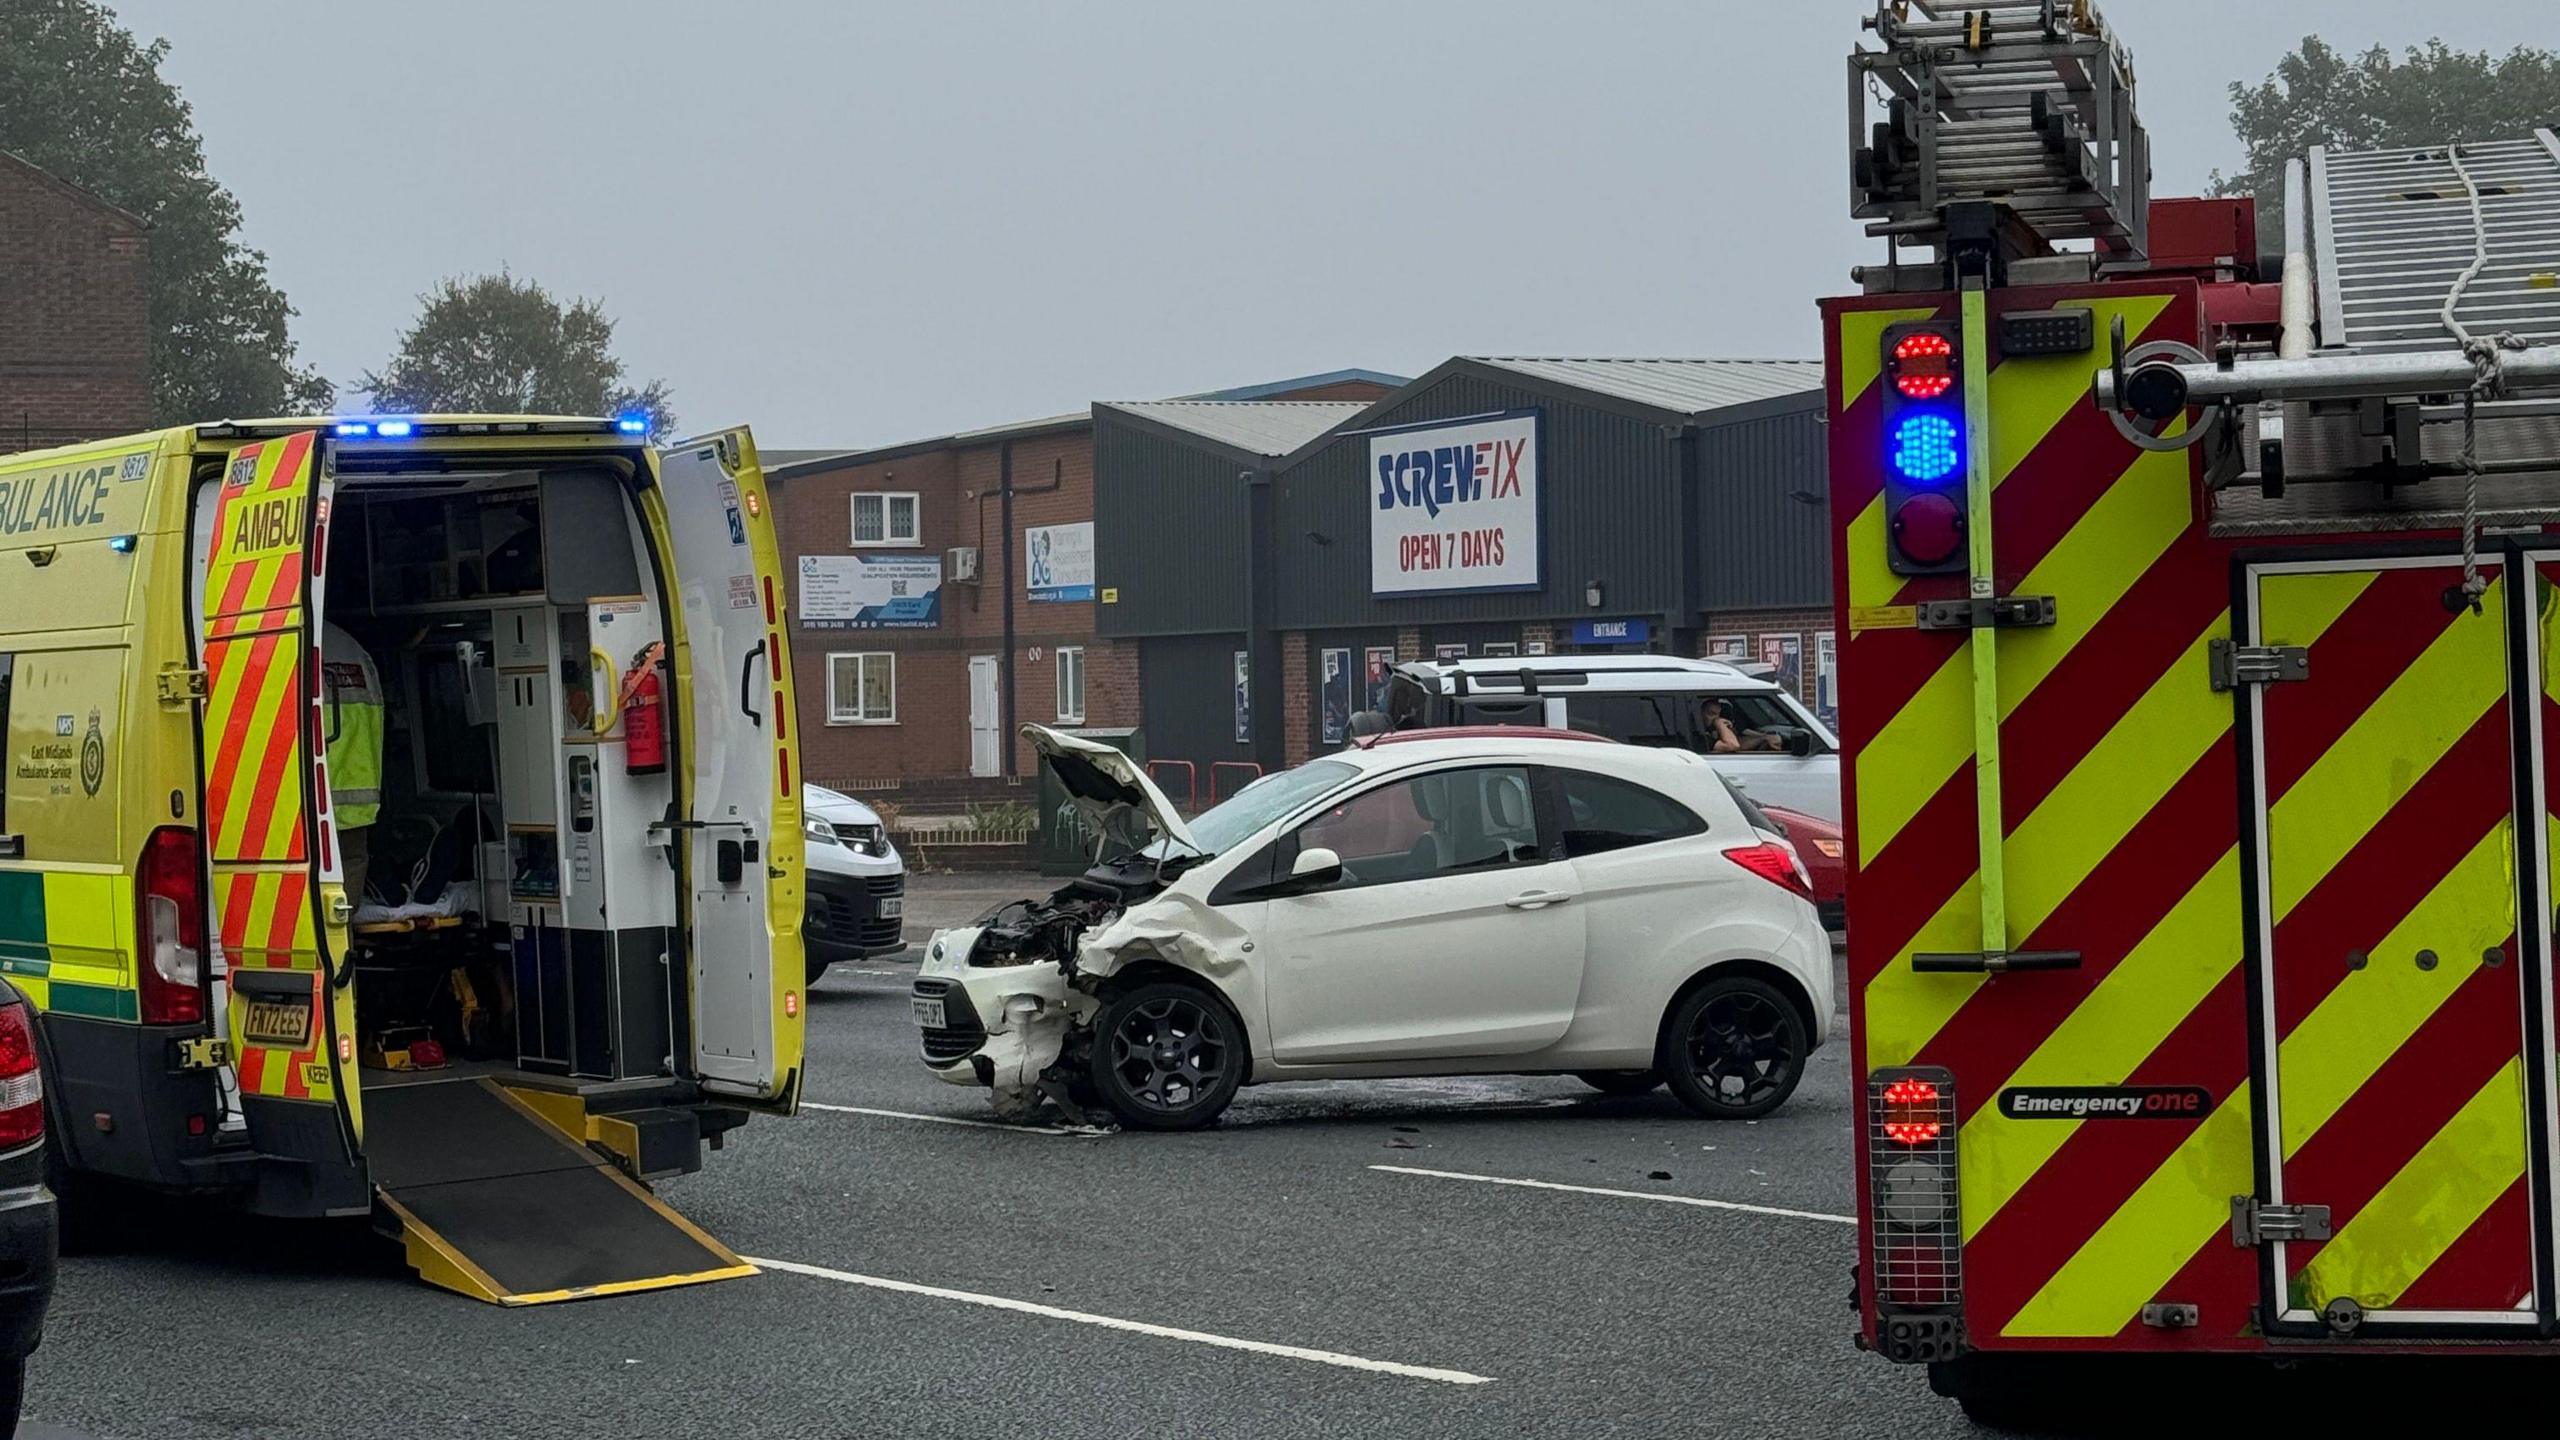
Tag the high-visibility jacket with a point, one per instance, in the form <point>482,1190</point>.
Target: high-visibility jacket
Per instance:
<point>351,692</point>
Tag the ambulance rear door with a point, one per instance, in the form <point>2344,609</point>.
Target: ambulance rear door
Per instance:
<point>741,829</point>
<point>279,910</point>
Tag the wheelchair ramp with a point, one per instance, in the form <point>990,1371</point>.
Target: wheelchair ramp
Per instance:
<point>499,1204</point>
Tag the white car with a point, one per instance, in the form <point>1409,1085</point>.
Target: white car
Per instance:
<point>857,903</point>
<point>1787,756</point>
<point>1442,903</point>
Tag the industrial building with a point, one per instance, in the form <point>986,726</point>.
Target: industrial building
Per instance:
<point>1493,506</point>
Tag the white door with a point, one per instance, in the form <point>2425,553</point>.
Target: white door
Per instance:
<point>743,818</point>
<point>986,733</point>
<point>1452,932</point>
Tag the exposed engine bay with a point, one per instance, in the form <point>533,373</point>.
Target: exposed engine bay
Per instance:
<point>1008,1002</point>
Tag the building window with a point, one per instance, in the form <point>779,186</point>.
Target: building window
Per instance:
<point>885,519</point>
<point>1071,684</point>
<point>862,689</point>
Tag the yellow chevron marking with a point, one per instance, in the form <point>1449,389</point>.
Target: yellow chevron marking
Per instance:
<point>265,693</point>
<point>2339,799</point>
<point>2444,1189</point>
<point>2186,955</point>
<point>2365,1020</point>
<point>2107,550</point>
<point>2152,1236</point>
<point>2126,1016</point>
<point>2028,398</point>
<point>2388,751</point>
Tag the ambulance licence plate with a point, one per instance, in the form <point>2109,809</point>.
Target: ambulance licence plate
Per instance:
<point>893,907</point>
<point>929,1014</point>
<point>284,1024</point>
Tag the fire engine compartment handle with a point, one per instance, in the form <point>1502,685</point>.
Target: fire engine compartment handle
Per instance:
<point>1996,962</point>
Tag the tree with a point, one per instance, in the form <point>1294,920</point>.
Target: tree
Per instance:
<point>498,345</point>
<point>2431,95</point>
<point>81,99</point>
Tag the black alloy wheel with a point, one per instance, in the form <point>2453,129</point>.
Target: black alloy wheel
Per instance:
<point>1167,1056</point>
<point>1735,1049</point>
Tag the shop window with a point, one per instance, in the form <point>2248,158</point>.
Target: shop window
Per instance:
<point>885,519</point>
<point>862,689</point>
<point>1071,685</point>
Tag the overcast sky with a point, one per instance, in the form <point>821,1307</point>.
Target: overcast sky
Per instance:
<point>860,223</point>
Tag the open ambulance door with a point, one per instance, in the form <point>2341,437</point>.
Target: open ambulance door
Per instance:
<point>278,910</point>
<point>741,825</point>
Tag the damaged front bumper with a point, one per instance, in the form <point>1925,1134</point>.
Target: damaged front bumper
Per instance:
<point>1002,1026</point>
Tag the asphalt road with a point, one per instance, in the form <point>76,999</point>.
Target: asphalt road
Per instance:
<point>1286,1273</point>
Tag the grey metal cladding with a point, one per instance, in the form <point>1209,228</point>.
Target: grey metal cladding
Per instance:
<point>1187,692</point>
<point>1612,482</point>
<point>1168,535</point>
<point>1760,543</point>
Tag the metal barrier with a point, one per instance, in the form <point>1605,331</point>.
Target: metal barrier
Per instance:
<point>1217,792</point>
<point>1189,799</point>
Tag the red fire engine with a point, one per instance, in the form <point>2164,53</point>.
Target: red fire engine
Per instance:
<point>2197,616</point>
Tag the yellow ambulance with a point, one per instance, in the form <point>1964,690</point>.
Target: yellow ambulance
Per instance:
<point>573,958</point>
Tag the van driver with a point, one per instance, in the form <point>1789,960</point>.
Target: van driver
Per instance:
<point>1723,738</point>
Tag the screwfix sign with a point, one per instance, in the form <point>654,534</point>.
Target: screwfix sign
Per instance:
<point>1455,506</point>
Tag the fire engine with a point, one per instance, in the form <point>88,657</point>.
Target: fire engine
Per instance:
<point>2197,611</point>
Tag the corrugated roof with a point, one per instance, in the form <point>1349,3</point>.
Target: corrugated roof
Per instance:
<point>1269,388</point>
<point>1687,386</point>
<point>1261,427</point>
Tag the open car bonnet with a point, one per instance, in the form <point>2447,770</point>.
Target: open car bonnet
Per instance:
<point>1105,785</point>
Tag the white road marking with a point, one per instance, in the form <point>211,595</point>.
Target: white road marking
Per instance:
<point>948,1120</point>
<point>1135,1327</point>
<point>1783,1214</point>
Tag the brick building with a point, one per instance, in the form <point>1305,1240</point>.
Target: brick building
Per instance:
<point>75,313</point>
<point>944,595</point>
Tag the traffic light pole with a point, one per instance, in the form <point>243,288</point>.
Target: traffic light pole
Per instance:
<point>1990,830</point>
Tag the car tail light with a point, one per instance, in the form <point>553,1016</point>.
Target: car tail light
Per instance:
<point>169,925</point>
<point>21,1084</point>
<point>1916,1237</point>
<point>1776,864</point>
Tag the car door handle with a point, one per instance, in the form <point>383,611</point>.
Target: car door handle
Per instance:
<point>1536,900</point>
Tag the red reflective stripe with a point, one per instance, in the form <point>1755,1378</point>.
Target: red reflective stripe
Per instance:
<point>2392,869</point>
<point>770,616</point>
<point>2400,1107</point>
<point>292,891</point>
<point>2489,1268</point>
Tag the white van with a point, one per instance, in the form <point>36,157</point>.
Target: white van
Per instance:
<point>1641,700</point>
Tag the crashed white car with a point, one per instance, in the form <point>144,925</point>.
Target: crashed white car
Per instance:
<point>1437,903</point>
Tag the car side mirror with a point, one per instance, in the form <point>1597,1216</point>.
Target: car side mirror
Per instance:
<point>1800,744</point>
<point>1314,869</point>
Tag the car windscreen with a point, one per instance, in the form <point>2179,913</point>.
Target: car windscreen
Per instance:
<point>1223,826</point>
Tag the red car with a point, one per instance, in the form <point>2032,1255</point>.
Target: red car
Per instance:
<point>1817,841</point>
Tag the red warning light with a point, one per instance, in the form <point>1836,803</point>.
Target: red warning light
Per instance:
<point>1924,365</point>
<point>1910,1112</point>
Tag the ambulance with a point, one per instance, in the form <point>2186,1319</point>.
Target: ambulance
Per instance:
<point>2199,597</point>
<point>576,960</point>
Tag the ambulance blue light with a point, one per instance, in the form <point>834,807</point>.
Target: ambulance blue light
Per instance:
<point>393,429</point>
<point>121,544</point>
<point>1926,448</point>
<point>632,424</point>
<point>354,429</point>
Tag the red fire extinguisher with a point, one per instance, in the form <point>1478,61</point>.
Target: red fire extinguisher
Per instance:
<point>644,718</point>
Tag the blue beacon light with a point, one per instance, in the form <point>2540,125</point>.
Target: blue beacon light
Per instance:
<point>1926,448</point>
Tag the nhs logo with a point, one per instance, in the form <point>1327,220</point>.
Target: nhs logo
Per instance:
<point>1456,506</point>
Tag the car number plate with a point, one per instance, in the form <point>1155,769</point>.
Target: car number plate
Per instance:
<point>285,1024</point>
<point>929,1014</point>
<point>893,907</point>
